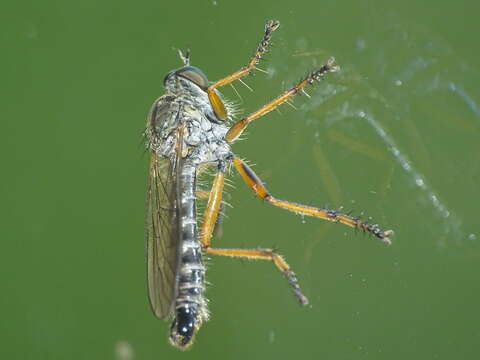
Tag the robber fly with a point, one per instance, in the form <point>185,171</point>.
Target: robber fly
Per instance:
<point>188,131</point>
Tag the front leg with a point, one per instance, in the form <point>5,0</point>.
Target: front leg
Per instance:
<point>215,100</point>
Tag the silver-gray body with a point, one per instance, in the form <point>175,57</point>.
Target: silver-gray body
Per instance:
<point>182,136</point>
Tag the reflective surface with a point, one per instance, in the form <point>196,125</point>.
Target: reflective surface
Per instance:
<point>393,135</point>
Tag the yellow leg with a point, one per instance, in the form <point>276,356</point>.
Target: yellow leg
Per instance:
<point>236,130</point>
<point>202,194</point>
<point>211,211</point>
<point>206,231</point>
<point>265,254</point>
<point>213,96</point>
<point>261,191</point>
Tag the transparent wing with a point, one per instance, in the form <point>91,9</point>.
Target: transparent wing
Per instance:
<point>161,218</point>
<point>162,239</point>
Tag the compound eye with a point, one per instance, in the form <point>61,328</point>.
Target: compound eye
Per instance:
<point>167,76</point>
<point>195,75</point>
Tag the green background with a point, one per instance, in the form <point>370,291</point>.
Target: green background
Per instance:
<point>394,135</point>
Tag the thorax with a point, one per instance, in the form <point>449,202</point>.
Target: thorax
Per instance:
<point>178,123</point>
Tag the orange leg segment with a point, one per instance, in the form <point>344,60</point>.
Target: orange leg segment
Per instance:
<point>213,96</point>
<point>211,211</point>
<point>261,191</point>
<point>236,130</point>
<point>209,219</point>
<point>202,194</point>
<point>265,254</point>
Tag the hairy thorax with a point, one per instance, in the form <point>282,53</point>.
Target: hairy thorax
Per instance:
<point>178,117</point>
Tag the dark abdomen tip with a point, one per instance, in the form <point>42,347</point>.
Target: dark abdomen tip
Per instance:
<point>184,327</point>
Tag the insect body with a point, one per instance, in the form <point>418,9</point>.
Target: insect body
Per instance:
<point>187,130</point>
<point>185,134</point>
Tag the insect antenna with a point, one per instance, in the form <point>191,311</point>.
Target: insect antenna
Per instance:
<point>184,57</point>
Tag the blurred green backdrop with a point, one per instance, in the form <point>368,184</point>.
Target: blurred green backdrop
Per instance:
<point>395,135</point>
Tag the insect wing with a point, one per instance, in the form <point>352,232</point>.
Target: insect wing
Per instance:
<point>161,224</point>
<point>162,239</point>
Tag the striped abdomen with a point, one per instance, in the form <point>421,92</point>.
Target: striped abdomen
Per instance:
<point>190,305</point>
